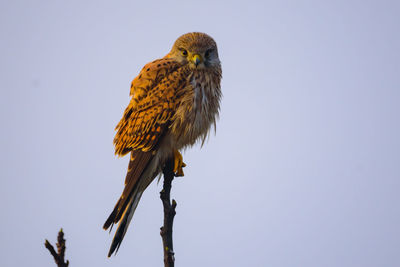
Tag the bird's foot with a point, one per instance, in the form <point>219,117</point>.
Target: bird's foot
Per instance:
<point>178,163</point>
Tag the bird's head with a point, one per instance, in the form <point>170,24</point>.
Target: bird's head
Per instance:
<point>196,49</point>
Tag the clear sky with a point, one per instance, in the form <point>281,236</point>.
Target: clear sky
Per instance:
<point>304,169</point>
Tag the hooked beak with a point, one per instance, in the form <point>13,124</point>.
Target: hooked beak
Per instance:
<point>196,59</point>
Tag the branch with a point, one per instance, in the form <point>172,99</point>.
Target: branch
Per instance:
<point>58,257</point>
<point>169,213</point>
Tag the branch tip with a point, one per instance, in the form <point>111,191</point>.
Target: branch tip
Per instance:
<point>58,257</point>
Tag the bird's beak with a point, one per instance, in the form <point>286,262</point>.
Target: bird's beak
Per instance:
<point>196,59</point>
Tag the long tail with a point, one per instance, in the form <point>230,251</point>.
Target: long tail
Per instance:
<point>124,223</point>
<point>137,179</point>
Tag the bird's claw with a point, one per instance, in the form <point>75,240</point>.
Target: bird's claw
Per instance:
<point>178,164</point>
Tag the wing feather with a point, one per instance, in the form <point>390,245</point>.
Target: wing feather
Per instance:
<point>151,107</point>
<point>145,121</point>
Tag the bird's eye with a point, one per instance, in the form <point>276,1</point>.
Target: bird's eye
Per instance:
<point>208,52</point>
<point>184,52</point>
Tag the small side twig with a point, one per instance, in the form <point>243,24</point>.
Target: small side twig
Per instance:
<point>169,213</point>
<point>60,254</point>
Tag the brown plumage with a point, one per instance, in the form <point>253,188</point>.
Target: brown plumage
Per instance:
<point>175,101</point>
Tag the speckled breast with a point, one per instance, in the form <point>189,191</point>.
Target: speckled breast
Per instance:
<point>198,108</point>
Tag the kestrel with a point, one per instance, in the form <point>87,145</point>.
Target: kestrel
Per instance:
<point>175,102</point>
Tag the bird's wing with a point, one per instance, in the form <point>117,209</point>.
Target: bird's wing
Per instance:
<point>144,122</point>
<point>151,107</point>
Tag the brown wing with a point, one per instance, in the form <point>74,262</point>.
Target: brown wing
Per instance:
<point>152,106</point>
<point>145,120</point>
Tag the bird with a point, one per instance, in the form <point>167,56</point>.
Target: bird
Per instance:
<point>175,102</point>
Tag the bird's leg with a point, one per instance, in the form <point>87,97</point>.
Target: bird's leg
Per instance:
<point>178,163</point>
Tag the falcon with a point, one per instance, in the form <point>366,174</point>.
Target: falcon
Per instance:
<point>175,103</point>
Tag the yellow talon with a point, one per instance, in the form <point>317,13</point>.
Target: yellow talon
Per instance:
<point>178,163</point>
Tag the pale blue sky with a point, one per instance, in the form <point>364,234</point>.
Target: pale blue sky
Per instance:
<point>303,171</point>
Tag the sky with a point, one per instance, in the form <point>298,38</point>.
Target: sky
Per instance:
<point>304,169</point>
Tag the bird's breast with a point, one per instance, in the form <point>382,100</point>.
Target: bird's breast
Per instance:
<point>198,109</point>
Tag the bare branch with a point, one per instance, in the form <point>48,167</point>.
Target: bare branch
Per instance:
<point>58,256</point>
<point>169,213</point>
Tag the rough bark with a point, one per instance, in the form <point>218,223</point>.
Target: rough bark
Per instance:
<point>169,214</point>
<point>60,254</point>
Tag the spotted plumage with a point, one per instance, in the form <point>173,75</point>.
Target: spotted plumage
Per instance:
<point>175,101</point>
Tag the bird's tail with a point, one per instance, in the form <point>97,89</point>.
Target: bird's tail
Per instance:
<point>124,223</point>
<point>139,176</point>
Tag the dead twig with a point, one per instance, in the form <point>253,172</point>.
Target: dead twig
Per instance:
<point>60,254</point>
<point>169,213</point>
